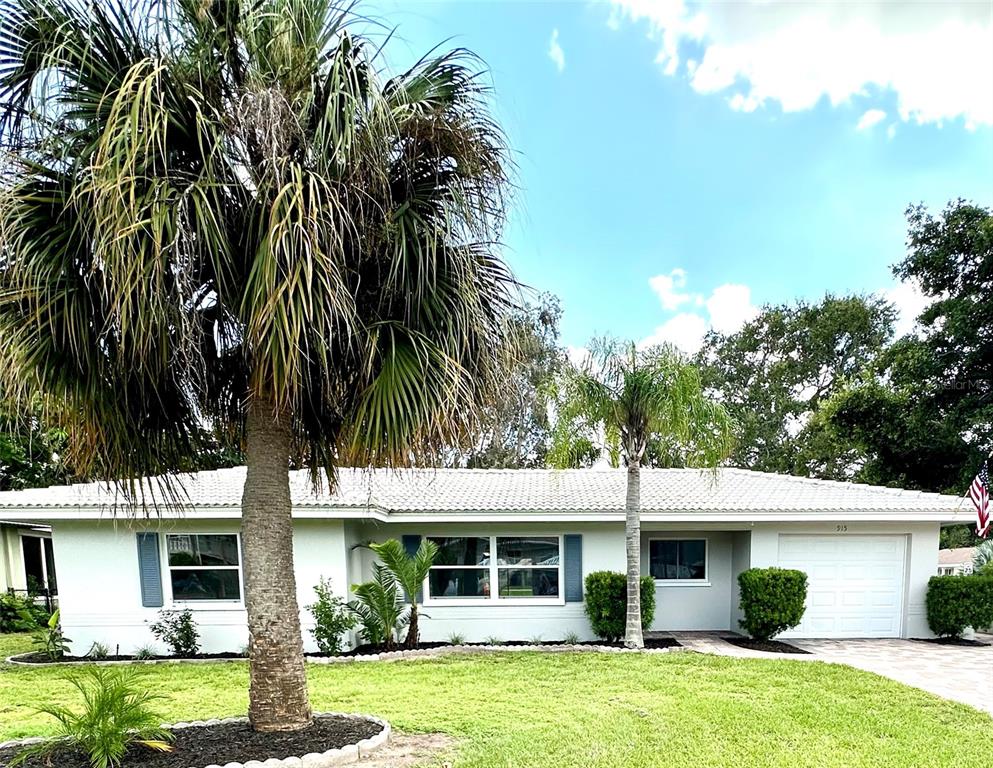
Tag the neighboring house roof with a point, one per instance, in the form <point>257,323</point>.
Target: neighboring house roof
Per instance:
<point>957,556</point>
<point>666,494</point>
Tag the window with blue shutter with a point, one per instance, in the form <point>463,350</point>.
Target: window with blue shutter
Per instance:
<point>149,570</point>
<point>573,545</point>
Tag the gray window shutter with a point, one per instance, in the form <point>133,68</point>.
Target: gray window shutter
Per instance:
<point>411,543</point>
<point>573,568</point>
<point>149,570</point>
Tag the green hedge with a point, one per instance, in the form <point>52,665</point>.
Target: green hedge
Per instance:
<point>772,600</point>
<point>606,603</point>
<point>20,614</point>
<point>957,602</point>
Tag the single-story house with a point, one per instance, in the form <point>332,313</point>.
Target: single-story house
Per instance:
<point>956,561</point>
<point>515,546</point>
<point>27,559</point>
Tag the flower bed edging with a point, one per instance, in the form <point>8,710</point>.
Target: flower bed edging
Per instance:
<point>420,653</point>
<point>350,753</point>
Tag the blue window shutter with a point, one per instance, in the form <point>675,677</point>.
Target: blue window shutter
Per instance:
<point>149,570</point>
<point>411,544</point>
<point>573,568</point>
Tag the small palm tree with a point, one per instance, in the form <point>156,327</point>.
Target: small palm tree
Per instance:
<point>379,607</point>
<point>631,398</point>
<point>410,571</point>
<point>225,212</point>
<point>982,558</point>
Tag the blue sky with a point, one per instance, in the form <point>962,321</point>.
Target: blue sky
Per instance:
<point>680,165</point>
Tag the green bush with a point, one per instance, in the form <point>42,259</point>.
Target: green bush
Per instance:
<point>379,608</point>
<point>115,716</point>
<point>178,630</point>
<point>332,618</point>
<point>957,602</point>
<point>19,614</point>
<point>606,603</point>
<point>772,600</point>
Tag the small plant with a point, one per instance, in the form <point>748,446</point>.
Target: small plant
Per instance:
<point>493,640</point>
<point>772,600</point>
<point>456,639</point>
<point>98,651</point>
<point>245,650</point>
<point>145,653</point>
<point>115,715</point>
<point>957,602</point>
<point>50,640</point>
<point>178,630</point>
<point>571,638</point>
<point>379,608</point>
<point>332,619</point>
<point>409,571</point>
<point>536,640</point>
<point>18,614</point>
<point>607,599</point>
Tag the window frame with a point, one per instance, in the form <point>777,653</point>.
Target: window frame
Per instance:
<point>704,582</point>
<point>46,567</point>
<point>209,603</point>
<point>493,569</point>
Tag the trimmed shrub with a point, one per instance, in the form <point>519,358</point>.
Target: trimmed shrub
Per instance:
<point>332,619</point>
<point>772,600</point>
<point>606,603</point>
<point>178,630</point>
<point>957,602</point>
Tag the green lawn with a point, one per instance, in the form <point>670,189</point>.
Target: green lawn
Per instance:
<point>594,711</point>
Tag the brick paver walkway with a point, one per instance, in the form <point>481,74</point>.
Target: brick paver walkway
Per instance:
<point>958,673</point>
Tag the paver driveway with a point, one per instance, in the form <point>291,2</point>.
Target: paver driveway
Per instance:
<point>958,673</point>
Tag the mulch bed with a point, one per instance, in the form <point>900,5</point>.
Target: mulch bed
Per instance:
<point>368,650</point>
<point>225,743</point>
<point>769,646</point>
<point>41,658</point>
<point>960,641</point>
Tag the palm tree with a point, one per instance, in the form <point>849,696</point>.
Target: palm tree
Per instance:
<point>409,570</point>
<point>634,398</point>
<point>222,212</point>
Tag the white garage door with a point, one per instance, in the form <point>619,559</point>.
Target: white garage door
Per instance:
<point>854,584</point>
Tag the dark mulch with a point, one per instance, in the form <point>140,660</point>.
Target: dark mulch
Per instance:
<point>41,658</point>
<point>769,646</point>
<point>220,744</point>
<point>367,650</point>
<point>952,641</point>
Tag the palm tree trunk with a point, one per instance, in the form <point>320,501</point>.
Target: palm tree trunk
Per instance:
<point>278,699</point>
<point>632,534</point>
<point>412,630</point>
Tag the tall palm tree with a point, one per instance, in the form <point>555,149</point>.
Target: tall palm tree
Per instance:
<point>631,398</point>
<point>222,212</point>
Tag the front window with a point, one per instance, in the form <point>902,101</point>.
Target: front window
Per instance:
<point>678,559</point>
<point>204,566</point>
<point>524,567</point>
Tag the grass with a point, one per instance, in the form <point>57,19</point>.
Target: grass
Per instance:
<point>593,711</point>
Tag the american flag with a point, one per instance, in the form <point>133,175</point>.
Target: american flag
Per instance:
<point>979,492</point>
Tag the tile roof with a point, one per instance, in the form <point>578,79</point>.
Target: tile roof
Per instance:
<point>956,556</point>
<point>583,490</point>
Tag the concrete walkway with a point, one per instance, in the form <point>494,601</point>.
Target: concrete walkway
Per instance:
<point>959,673</point>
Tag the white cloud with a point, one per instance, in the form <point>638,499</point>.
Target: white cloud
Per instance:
<point>667,287</point>
<point>909,301</point>
<point>869,118</point>
<point>685,330</point>
<point>728,307</point>
<point>936,57</point>
<point>555,52</point>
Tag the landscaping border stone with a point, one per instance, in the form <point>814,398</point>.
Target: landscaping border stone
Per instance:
<point>398,655</point>
<point>350,753</point>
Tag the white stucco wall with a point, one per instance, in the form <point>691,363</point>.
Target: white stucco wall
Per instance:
<point>603,549</point>
<point>100,593</point>
<point>921,556</point>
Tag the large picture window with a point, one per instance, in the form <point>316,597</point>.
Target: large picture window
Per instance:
<point>523,568</point>
<point>678,559</point>
<point>204,566</point>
